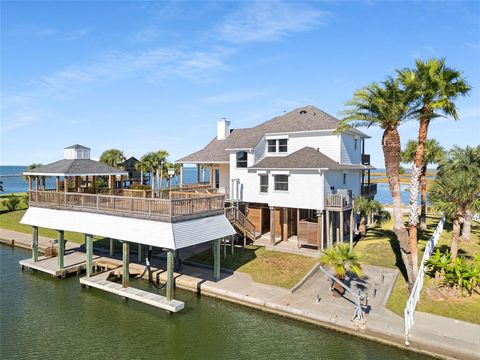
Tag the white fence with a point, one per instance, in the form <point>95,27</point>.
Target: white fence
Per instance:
<point>417,287</point>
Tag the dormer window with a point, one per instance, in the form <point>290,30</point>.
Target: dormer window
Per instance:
<point>241,159</point>
<point>272,146</point>
<point>276,146</point>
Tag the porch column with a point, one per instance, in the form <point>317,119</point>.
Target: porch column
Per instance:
<point>328,228</point>
<point>319,230</point>
<point>125,258</point>
<point>110,183</point>
<point>216,259</point>
<point>351,228</point>
<point>272,225</point>
<point>341,227</point>
<point>65,184</point>
<point>35,243</point>
<point>170,256</point>
<point>94,184</point>
<point>198,173</point>
<point>285,224</point>
<point>30,183</point>
<point>140,254</point>
<point>111,247</point>
<point>181,175</point>
<point>77,183</point>
<point>212,176</point>
<point>37,183</point>
<point>89,250</point>
<point>61,249</point>
<point>57,183</point>
<point>43,183</point>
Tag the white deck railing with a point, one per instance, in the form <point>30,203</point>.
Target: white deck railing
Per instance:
<point>409,311</point>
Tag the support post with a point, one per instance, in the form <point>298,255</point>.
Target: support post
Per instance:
<point>216,259</point>
<point>61,249</point>
<point>77,183</point>
<point>125,258</point>
<point>351,228</point>
<point>328,228</point>
<point>272,226</point>
<point>89,250</point>
<point>181,175</point>
<point>140,254</point>
<point>65,184</point>
<point>285,224</point>
<point>170,255</point>
<point>341,227</point>
<point>35,243</point>
<point>198,173</point>
<point>94,184</point>
<point>224,248</point>
<point>319,230</point>
<point>232,243</point>
<point>57,183</point>
<point>29,183</point>
<point>44,186</point>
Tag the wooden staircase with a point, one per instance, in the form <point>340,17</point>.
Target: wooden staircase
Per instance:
<point>240,222</point>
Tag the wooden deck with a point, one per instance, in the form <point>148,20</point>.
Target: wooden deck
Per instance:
<point>179,207</point>
<point>74,262</point>
<point>101,282</point>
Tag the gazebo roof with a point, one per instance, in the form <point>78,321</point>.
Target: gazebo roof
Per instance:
<point>75,167</point>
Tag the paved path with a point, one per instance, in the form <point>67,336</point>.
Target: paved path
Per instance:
<point>312,302</point>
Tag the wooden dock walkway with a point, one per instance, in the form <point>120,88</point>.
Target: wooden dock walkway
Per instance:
<point>101,282</point>
<point>74,262</point>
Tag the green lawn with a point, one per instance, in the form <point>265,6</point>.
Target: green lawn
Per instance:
<point>4,198</point>
<point>265,266</point>
<point>380,248</point>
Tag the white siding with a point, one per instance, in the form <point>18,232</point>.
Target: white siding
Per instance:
<point>224,170</point>
<point>328,144</point>
<point>335,179</point>
<point>350,155</point>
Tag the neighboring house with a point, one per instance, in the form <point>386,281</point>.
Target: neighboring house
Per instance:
<point>292,175</point>
<point>129,165</point>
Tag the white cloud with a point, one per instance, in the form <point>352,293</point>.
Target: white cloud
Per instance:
<point>268,21</point>
<point>49,32</point>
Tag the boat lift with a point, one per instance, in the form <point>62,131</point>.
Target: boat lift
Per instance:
<point>358,313</point>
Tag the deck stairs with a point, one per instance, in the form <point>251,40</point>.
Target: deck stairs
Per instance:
<point>240,222</point>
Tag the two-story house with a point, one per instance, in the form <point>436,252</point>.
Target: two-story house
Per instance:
<point>291,176</point>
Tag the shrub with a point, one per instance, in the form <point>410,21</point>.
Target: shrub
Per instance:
<point>460,274</point>
<point>25,199</point>
<point>12,202</point>
<point>138,186</point>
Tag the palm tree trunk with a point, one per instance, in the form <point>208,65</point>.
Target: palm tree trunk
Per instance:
<point>160,183</point>
<point>414,190</point>
<point>152,182</point>
<point>455,237</point>
<point>391,151</point>
<point>423,201</point>
<point>467,225</point>
<point>141,177</point>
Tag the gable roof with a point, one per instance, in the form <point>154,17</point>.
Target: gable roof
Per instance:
<point>74,167</point>
<point>307,118</point>
<point>305,158</point>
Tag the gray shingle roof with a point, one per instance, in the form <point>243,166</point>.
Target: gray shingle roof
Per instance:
<point>305,158</point>
<point>306,118</point>
<point>77,146</point>
<point>72,167</point>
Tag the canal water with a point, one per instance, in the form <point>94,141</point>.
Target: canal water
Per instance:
<point>45,318</point>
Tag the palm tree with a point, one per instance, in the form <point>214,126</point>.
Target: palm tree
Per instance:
<point>150,162</point>
<point>433,153</point>
<point>366,207</point>
<point>112,157</point>
<point>343,260</point>
<point>435,88</point>
<point>465,160</point>
<point>143,168</point>
<point>162,166</point>
<point>177,168</point>
<point>455,191</point>
<point>386,105</point>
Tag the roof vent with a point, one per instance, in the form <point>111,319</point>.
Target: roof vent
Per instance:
<point>302,112</point>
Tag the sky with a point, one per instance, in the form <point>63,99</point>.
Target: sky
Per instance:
<point>145,76</point>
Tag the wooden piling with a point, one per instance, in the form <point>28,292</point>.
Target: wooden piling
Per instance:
<point>61,249</point>
<point>89,250</point>
<point>125,257</point>
<point>170,255</point>
<point>35,243</point>
<point>216,259</point>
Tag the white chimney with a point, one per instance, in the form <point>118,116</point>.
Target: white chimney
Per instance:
<point>223,129</point>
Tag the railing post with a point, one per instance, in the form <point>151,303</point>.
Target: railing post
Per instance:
<point>97,202</point>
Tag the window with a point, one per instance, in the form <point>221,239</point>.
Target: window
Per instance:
<point>264,183</point>
<point>281,182</point>
<point>344,179</point>
<point>241,159</point>
<point>282,145</point>
<point>272,145</point>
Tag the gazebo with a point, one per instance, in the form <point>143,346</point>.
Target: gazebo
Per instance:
<point>185,218</point>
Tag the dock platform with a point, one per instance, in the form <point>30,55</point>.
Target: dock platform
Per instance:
<point>74,262</point>
<point>101,282</point>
